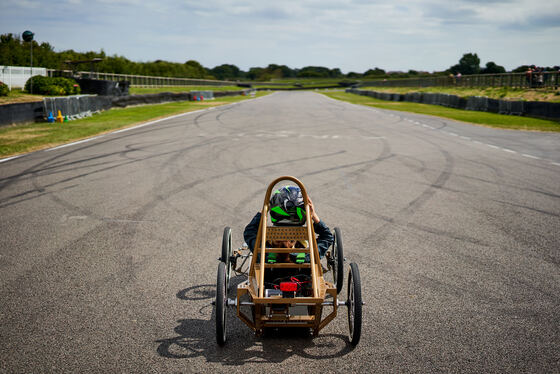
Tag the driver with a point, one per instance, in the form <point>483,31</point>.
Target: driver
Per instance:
<point>287,208</point>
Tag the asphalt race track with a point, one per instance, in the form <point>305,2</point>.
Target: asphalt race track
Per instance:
<point>108,248</point>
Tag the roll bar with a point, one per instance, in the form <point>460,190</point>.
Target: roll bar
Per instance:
<point>261,238</point>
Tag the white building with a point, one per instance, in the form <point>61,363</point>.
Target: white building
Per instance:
<point>16,76</point>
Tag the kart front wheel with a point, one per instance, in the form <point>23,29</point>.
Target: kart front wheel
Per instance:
<point>227,253</point>
<point>221,301</point>
<point>354,304</point>
<point>336,260</point>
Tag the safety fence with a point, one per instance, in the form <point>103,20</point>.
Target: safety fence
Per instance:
<point>548,79</point>
<point>538,109</point>
<point>16,76</point>
<point>154,81</point>
<point>142,80</point>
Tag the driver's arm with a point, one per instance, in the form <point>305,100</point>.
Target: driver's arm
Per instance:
<point>325,237</point>
<point>251,231</point>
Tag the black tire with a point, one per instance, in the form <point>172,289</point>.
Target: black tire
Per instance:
<point>227,253</point>
<point>354,304</point>
<point>337,260</point>
<point>221,298</point>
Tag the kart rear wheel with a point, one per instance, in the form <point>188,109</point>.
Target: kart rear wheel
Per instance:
<point>227,253</point>
<point>336,261</point>
<point>221,301</point>
<point>354,304</point>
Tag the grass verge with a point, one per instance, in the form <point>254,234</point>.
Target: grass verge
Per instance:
<point>150,90</point>
<point>478,118</point>
<point>19,139</point>
<point>19,96</point>
<point>503,93</point>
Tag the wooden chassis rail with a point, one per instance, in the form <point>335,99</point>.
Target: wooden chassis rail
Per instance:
<point>260,320</point>
<point>274,233</point>
<point>254,287</point>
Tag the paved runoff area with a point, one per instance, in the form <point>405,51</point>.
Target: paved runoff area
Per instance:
<point>109,247</point>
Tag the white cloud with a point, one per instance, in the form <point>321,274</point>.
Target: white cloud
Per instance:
<point>350,34</point>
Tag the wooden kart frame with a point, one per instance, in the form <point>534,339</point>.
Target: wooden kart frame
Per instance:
<point>255,285</point>
<point>277,310</point>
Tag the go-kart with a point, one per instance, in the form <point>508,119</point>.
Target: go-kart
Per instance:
<point>286,294</point>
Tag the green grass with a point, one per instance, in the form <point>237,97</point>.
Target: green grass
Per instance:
<point>18,96</point>
<point>504,93</point>
<point>26,138</point>
<point>478,118</point>
<point>150,90</point>
<point>301,85</point>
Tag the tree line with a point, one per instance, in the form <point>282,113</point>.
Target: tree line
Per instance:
<point>15,52</point>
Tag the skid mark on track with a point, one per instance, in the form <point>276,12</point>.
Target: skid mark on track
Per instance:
<point>77,165</point>
<point>367,163</point>
<point>552,214</point>
<point>53,161</point>
<point>442,130</point>
<point>160,197</point>
<point>414,205</point>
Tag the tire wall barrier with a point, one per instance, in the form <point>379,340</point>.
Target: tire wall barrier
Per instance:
<point>85,104</point>
<point>21,113</point>
<point>538,109</point>
<point>75,105</point>
<point>103,87</point>
<point>124,101</point>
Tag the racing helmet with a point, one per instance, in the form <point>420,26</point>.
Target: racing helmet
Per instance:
<point>287,207</point>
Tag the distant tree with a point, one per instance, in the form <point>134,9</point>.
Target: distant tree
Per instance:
<point>468,64</point>
<point>311,74</point>
<point>335,73</point>
<point>195,69</point>
<point>277,72</point>
<point>226,72</point>
<point>492,68</point>
<point>314,72</point>
<point>254,73</point>
<point>376,71</point>
<point>116,64</point>
<point>287,72</point>
<point>13,51</point>
<point>520,69</point>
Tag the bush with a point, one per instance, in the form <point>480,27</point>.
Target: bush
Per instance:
<point>54,90</point>
<point>4,90</point>
<point>40,84</point>
<point>69,85</point>
<point>52,86</point>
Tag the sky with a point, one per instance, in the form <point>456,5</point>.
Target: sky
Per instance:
<point>353,35</point>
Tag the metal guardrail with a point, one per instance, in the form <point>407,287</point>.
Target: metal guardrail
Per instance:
<point>515,80</point>
<point>153,81</point>
<point>143,80</point>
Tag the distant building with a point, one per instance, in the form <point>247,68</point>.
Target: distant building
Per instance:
<point>16,76</point>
